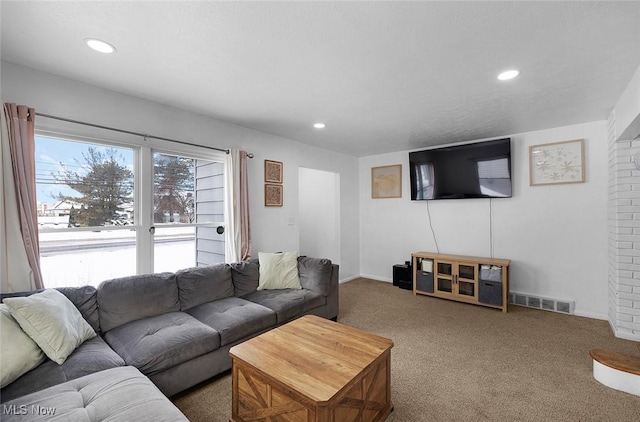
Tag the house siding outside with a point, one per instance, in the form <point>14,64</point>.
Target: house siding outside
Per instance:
<point>210,245</point>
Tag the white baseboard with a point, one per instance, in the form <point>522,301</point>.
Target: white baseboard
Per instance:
<point>593,315</point>
<point>375,277</point>
<point>348,279</point>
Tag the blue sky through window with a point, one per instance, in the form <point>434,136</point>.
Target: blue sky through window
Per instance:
<point>50,156</point>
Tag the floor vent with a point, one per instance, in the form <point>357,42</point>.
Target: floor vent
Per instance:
<point>544,303</point>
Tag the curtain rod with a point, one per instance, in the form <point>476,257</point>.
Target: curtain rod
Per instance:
<point>49,116</point>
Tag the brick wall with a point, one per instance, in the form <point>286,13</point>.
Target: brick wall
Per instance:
<point>624,236</point>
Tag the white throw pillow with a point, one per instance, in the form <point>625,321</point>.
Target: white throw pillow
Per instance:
<point>19,354</point>
<point>52,321</point>
<point>278,271</point>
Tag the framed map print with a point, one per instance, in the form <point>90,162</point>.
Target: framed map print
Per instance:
<point>386,181</point>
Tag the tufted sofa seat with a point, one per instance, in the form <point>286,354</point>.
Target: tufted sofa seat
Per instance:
<point>120,394</point>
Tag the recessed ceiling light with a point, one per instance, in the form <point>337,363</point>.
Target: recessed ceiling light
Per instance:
<point>509,74</point>
<point>319,125</point>
<point>100,46</point>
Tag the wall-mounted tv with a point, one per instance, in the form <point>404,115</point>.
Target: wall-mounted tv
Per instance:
<point>475,170</point>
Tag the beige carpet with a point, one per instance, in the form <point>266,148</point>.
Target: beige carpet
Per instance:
<point>458,362</point>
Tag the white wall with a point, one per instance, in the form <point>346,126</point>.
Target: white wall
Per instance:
<point>556,236</point>
<point>627,110</point>
<point>57,96</point>
<point>319,206</point>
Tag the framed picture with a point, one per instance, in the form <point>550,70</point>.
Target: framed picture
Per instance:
<point>556,163</point>
<point>272,171</point>
<point>272,195</point>
<point>386,181</point>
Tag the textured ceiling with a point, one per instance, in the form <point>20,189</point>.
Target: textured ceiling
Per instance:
<point>383,76</point>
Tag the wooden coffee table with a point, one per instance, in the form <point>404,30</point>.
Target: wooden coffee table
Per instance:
<point>312,369</point>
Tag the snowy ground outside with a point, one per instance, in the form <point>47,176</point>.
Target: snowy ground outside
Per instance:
<point>88,258</point>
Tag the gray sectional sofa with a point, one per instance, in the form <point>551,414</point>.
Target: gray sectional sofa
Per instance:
<point>177,328</point>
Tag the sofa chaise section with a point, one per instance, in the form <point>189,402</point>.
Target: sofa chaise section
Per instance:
<point>92,356</point>
<point>120,394</point>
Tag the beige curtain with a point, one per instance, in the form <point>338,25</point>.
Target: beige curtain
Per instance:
<point>245,225</point>
<point>237,224</point>
<point>19,246</point>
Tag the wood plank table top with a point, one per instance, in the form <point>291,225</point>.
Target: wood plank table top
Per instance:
<point>313,356</point>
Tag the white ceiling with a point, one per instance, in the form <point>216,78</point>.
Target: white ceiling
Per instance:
<point>383,76</point>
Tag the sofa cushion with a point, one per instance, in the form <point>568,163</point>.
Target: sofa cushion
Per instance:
<point>204,284</point>
<point>85,298</point>
<point>287,304</point>
<point>127,299</point>
<point>162,341</point>
<point>115,395</point>
<point>52,321</point>
<point>92,356</point>
<point>19,353</point>
<point>234,318</point>
<point>278,271</point>
<point>315,274</point>
<point>245,276</point>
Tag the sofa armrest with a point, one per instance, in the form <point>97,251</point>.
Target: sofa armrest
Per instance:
<point>321,276</point>
<point>315,274</point>
<point>333,298</point>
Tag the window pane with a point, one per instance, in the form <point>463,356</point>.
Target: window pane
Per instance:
<point>84,185</point>
<point>86,257</point>
<point>187,191</point>
<point>173,189</point>
<point>174,248</point>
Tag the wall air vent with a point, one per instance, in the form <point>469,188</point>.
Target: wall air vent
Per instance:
<point>544,303</point>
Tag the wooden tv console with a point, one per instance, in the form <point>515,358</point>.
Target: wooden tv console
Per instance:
<point>469,279</point>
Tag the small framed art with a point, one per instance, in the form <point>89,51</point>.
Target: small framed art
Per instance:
<point>272,195</point>
<point>556,163</point>
<point>386,181</point>
<point>272,171</point>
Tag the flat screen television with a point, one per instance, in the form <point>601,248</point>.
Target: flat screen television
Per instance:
<point>475,170</point>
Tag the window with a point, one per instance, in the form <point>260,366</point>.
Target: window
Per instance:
<point>188,199</point>
<point>98,219</point>
<point>85,196</point>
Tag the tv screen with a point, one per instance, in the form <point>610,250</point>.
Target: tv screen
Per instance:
<point>476,170</point>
